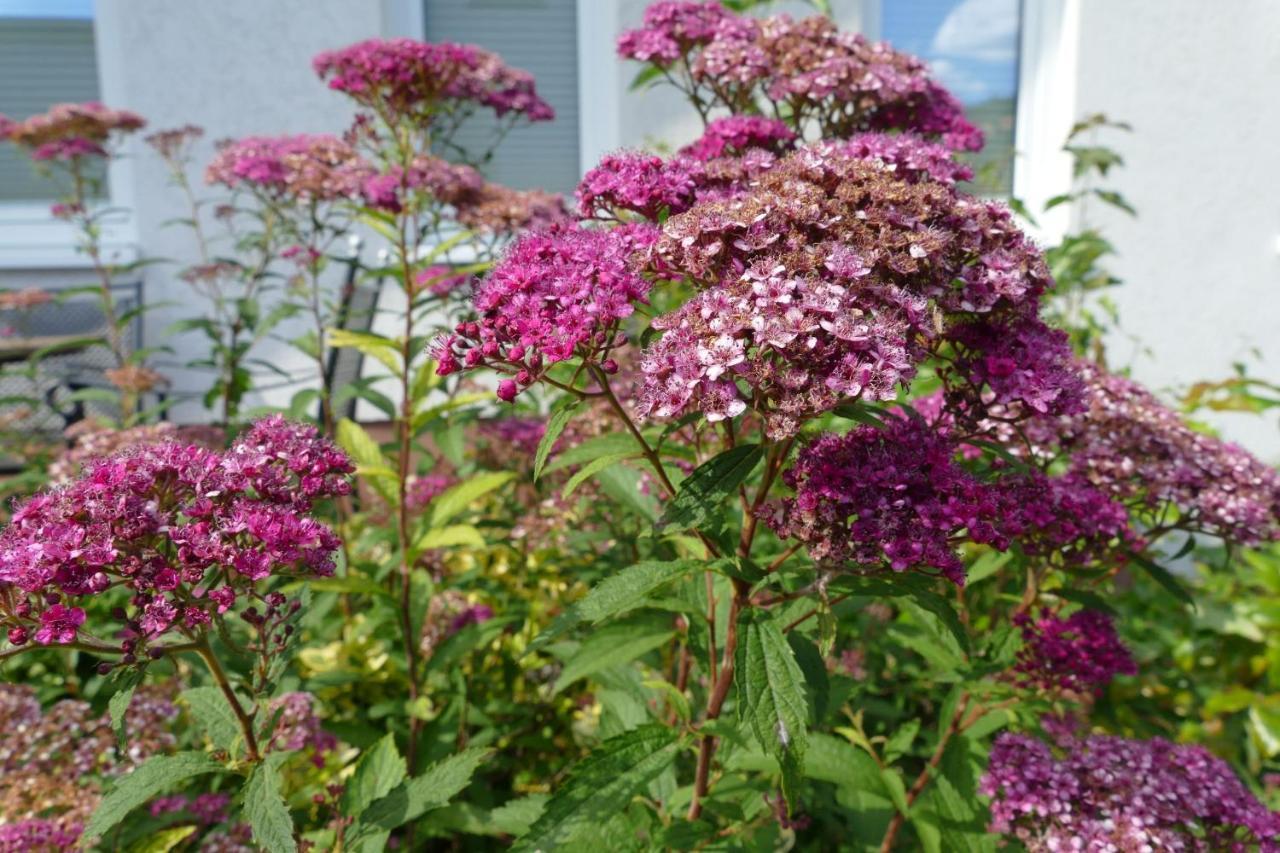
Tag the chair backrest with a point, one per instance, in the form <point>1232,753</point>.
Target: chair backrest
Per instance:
<point>357,306</point>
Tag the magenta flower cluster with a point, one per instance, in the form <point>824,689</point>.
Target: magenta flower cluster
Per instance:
<point>556,294</point>
<point>1141,453</point>
<point>304,167</point>
<point>70,132</point>
<point>1080,653</point>
<point>402,78</point>
<point>892,497</point>
<point>830,277</point>
<point>1101,793</point>
<point>185,530</point>
<point>737,134</point>
<point>834,81</point>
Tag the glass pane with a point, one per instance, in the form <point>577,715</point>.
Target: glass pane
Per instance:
<point>972,46</point>
<point>540,36</point>
<point>43,61</point>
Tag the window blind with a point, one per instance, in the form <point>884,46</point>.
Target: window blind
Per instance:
<point>540,36</point>
<point>42,62</point>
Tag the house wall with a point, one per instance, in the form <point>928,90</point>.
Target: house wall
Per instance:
<point>235,68</point>
<point>1201,261</point>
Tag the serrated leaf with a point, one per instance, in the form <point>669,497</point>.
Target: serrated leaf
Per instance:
<point>214,716</point>
<point>265,808</point>
<point>119,704</point>
<point>410,800</point>
<point>913,588</point>
<point>560,416</point>
<point>595,466</point>
<point>379,770</point>
<point>601,786</point>
<point>157,775</point>
<point>455,500</point>
<point>615,594</point>
<point>771,697</point>
<point>620,642</point>
<point>710,483</point>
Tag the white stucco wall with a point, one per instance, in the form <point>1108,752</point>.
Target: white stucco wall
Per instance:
<point>235,68</point>
<point>1201,262</point>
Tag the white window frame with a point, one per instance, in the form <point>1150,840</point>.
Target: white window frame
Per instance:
<point>1048,61</point>
<point>32,239</point>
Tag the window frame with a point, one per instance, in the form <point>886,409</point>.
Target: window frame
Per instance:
<point>32,238</point>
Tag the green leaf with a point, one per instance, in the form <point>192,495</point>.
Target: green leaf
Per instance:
<point>162,841</point>
<point>383,349</point>
<point>456,499</point>
<point>615,594</point>
<point>913,588</point>
<point>602,785</point>
<point>772,701</point>
<point>379,770</point>
<point>1165,578</point>
<point>214,716</point>
<point>119,704</point>
<point>157,775</point>
<point>410,800</point>
<point>265,808</point>
<point>595,466</point>
<point>451,536</point>
<point>560,415</point>
<point>708,485</point>
<point>647,76</point>
<point>620,642</point>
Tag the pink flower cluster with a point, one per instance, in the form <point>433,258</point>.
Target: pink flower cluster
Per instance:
<point>477,204</point>
<point>556,294</point>
<point>834,81</point>
<point>1080,652</point>
<point>830,277</point>
<point>730,152</point>
<point>70,131</point>
<point>426,488</point>
<point>642,183</point>
<point>303,167</point>
<point>1109,793</point>
<point>895,496</point>
<point>738,133</point>
<point>1138,451</point>
<point>406,79</point>
<point>185,529</point>
<point>297,726</point>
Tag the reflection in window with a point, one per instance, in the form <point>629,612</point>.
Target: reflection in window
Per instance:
<point>972,46</point>
<point>46,57</point>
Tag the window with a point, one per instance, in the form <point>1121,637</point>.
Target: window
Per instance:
<point>47,56</point>
<point>973,48</point>
<point>540,36</point>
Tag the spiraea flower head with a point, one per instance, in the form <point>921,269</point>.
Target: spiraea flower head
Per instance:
<point>403,79</point>
<point>1110,793</point>
<point>1081,653</point>
<point>830,277</point>
<point>303,167</point>
<point>555,294</point>
<point>185,530</point>
<point>71,131</point>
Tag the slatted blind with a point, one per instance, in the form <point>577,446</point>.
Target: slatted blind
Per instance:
<point>540,36</point>
<point>42,62</point>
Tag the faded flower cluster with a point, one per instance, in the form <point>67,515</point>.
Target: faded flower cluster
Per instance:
<point>1101,793</point>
